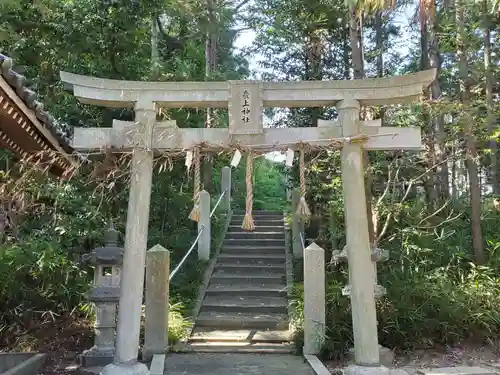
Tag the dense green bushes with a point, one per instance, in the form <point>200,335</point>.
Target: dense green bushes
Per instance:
<point>41,276</point>
<point>436,295</point>
<point>38,281</point>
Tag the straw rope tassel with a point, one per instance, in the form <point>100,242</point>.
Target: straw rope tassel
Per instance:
<point>195,212</point>
<point>248,224</point>
<point>302,209</point>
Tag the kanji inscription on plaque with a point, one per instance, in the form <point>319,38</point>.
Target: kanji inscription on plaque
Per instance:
<point>245,107</point>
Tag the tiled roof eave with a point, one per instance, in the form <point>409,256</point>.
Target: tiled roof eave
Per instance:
<point>14,86</point>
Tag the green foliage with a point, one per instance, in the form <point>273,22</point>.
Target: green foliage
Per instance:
<point>269,190</point>
<point>436,295</point>
<point>38,281</point>
<point>178,325</point>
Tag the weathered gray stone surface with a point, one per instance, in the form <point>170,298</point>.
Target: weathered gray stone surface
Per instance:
<point>371,370</point>
<point>314,299</point>
<point>236,364</point>
<point>21,363</point>
<point>459,370</point>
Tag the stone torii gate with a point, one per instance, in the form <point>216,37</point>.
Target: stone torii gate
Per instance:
<point>245,101</point>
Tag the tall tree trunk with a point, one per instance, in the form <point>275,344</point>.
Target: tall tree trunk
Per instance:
<point>356,41</point>
<point>468,129</point>
<point>347,61</point>
<point>210,65</point>
<point>379,45</point>
<point>442,183</point>
<point>315,52</point>
<point>430,158</point>
<point>155,56</point>
<point>491,118</point>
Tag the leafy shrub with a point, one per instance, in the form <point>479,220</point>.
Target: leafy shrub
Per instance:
<point>435,294</point>
<point>177,325</point>
<point>37,280</point>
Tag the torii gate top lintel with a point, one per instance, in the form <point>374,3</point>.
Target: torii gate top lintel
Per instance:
<point>245,101</point>
<point>370,91</point>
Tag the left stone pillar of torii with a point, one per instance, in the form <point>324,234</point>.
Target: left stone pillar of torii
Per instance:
<point>136,236</point>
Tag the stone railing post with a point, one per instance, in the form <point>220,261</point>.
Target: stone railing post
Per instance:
<point>157,293</point>
<point>297,226</point>
<point>204,222</point>
<point>314,299</point>
<point>364,316</point>
<point>105,294</point>
<point>225,182</point>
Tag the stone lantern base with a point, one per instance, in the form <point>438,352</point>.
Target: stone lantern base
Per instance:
<point>97,357</point>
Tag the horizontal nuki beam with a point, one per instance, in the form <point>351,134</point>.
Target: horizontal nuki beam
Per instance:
<point>373,91</point>
<point>168,137</point>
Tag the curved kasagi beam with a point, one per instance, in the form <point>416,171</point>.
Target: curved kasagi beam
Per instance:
<point>370,91</point>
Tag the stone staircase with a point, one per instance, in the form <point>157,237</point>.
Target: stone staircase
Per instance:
<point>245,308</point>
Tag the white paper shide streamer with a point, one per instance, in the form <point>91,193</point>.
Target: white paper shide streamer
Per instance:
<point>289,157</point>
<point>189,159</point>
<point>236,158</point>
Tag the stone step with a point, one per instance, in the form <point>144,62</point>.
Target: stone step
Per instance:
<point>245,259</point>
<point>278,235</point>
<point>269,290</point>
<point>251,304</point>
<point>259,222</point>
<point>259,213</point>
<point>236,228</point>
<point>247,280</point>
<point>256,241</point>
<point>253,250</point>
<point>254,269</point>
<point>242,347</point>
<point>205,334</point>
<point>242,320</point>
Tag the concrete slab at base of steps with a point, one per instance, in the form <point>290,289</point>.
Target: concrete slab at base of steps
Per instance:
<point>242,321</point>
<point>235,364</point>
<point>242,347</point>
<point>459,370</point>
<point>250,304</point>
<point>203,334</point>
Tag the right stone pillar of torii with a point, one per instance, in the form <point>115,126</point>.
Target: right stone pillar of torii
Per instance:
<point>364,316</point>
<point>361,270</point>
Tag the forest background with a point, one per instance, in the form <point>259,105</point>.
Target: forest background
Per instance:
<point>436,211</point>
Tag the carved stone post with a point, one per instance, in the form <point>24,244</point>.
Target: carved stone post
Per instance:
<point>157,293</point>
<point>105,294</point>
<point>297,226</point>
<point>136,238</point>
<point>204,223</point>
<point>314,299</point>
<point>225,181</point>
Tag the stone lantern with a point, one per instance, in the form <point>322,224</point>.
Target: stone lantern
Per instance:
<point>105,294</point>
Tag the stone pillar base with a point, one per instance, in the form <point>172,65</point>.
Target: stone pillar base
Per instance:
<point>372,370</point>
<point>136,368</point>
<point>386,356</point>
<point>95,357</point>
